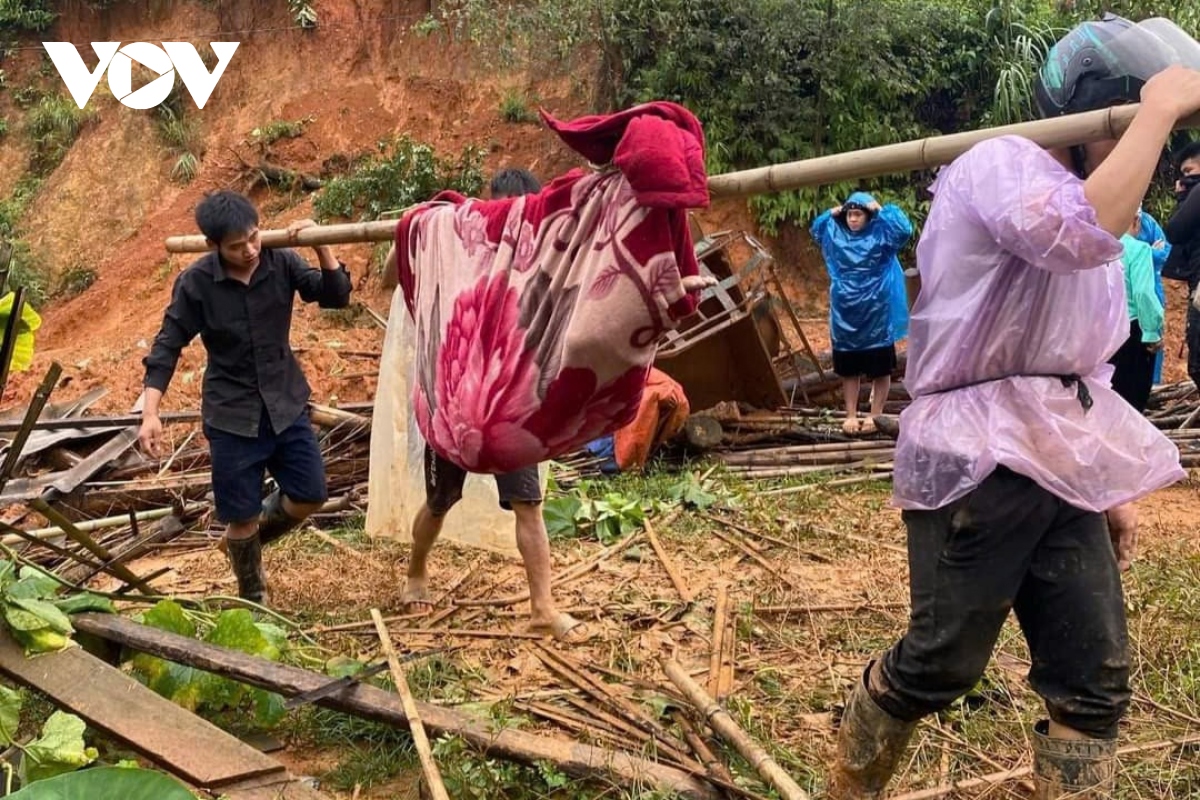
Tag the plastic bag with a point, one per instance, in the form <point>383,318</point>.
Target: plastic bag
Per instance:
<point>396,482</point>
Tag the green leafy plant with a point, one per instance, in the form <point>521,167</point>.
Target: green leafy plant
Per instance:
<point>35,613</point>
<point>25,16</point>
<point>60,747</point>
<point>200,691</point>
<point>107,783</point>
<point>53,124</point>
<point>75,280</point>
<point>587,509</point>
<point>279,129</point>
<point>303,13</point>
<point>514,107</point>
<point>402,173</point>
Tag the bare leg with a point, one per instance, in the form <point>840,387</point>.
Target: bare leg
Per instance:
<point>1058,731</point>
<point>534,544</point>
<point>850,388</point>
<point>879,393</point>
<point>426,527</point>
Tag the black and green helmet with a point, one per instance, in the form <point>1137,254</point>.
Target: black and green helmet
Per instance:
<point>1106,62</point>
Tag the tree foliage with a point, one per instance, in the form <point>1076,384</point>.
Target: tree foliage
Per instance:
<point>780,80</point>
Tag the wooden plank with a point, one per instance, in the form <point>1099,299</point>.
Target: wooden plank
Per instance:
<point>109,700</point>
<point>369,702</point>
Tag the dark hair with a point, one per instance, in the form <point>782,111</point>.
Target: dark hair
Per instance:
<point>1189,152</point>
<point>223,213</point>
<point>514,182</point>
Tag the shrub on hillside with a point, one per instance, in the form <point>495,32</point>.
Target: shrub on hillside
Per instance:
<point>403,173</point>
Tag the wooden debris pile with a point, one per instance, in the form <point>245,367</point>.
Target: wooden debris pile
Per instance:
<point>102,503</point>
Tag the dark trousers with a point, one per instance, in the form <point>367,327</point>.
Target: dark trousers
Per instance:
<point>1010,544</point>
<point>1193,344</point>
<point>1133,375</point>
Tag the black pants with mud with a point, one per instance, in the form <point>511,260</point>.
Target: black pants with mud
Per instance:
<point>1010,544</point>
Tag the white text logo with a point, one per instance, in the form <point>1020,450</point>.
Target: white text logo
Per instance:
<point>164,61</point>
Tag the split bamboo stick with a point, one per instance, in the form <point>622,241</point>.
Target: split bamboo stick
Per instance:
<point>723,724</point>
<point>681,586</point>
<point>432,777</point>
<point>717,644</point>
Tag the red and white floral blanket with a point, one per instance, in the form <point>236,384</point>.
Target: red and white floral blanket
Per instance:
<point>538,317</point>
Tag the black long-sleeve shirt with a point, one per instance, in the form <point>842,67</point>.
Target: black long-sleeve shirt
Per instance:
<point>245,330</point>
<point>1183,232</point>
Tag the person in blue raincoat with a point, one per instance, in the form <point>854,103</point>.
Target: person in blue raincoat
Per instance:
<point>1146,229</point>
<point>868,305</point>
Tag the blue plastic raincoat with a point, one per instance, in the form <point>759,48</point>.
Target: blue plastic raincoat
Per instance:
<point>1152,234</point>
<point>868,302</point>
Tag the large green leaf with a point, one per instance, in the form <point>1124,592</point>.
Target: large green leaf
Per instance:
<point>51,616</point>
<point>79,603</point>
<point>59,749</point>
<point>236,629</point>
<point>10,714</point>
<point>167,615</point>
<point>33,584</point>
<point>106,783</point>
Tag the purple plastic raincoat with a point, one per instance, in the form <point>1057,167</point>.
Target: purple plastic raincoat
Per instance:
<point>1019,285</point>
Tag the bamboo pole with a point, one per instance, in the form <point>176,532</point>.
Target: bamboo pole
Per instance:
<point>723,724</point>
<point>348,233</point>
<point>1074,129</point>
<point>432,777</point>
<point>934,151</point>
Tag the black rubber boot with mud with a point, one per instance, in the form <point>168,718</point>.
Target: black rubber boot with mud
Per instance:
<point>870,744</point>
<point>274,522</point>
<point>245,556</point>
<point>1081,769</point>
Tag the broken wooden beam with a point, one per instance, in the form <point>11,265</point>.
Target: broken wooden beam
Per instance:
<point>573,758</point>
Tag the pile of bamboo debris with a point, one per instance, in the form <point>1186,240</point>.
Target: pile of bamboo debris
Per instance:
<point>102,503</point>
<point>799,441</point>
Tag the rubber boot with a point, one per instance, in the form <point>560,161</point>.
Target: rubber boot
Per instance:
<point>274,522</point>
<point>245,556</point>
<point>870,744</point>
<point>1081,769</point>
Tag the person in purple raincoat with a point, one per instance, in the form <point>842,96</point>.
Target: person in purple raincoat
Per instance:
<point>1017,463</point>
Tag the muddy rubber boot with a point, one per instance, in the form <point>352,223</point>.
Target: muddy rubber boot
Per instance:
<point>274,522</point>
<point>1081,769</point>
<point>870,744</point>
<point>888,426</point>
<point>245,556</point>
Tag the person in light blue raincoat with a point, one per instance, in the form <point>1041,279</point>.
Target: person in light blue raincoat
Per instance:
<point>1147,230</point>
<point>868,302</point>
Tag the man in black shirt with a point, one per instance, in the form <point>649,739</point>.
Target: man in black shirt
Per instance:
<point>1183,232</point>
<point>239,299</point>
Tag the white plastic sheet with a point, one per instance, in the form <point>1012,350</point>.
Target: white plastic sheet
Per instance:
<point>396,483</point>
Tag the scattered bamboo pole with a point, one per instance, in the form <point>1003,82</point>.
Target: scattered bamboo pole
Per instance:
<point>720,610</point>
<point>724,725</point>
<point>685,593</point>
<point>432,777</point>
<point>1020,772</point>
<point>728,666</point>
<point>921,154</point>
<point>118,570</point>
<point>90,525</point>
<point>731,538</point>
<point>707,757</point>
<point>575,572</point>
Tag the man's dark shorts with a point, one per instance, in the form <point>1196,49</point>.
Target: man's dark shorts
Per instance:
<point>293,457</point>
<point>444,485</point>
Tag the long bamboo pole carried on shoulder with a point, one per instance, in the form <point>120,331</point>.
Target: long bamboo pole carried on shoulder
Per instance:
<point>918,154</point>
